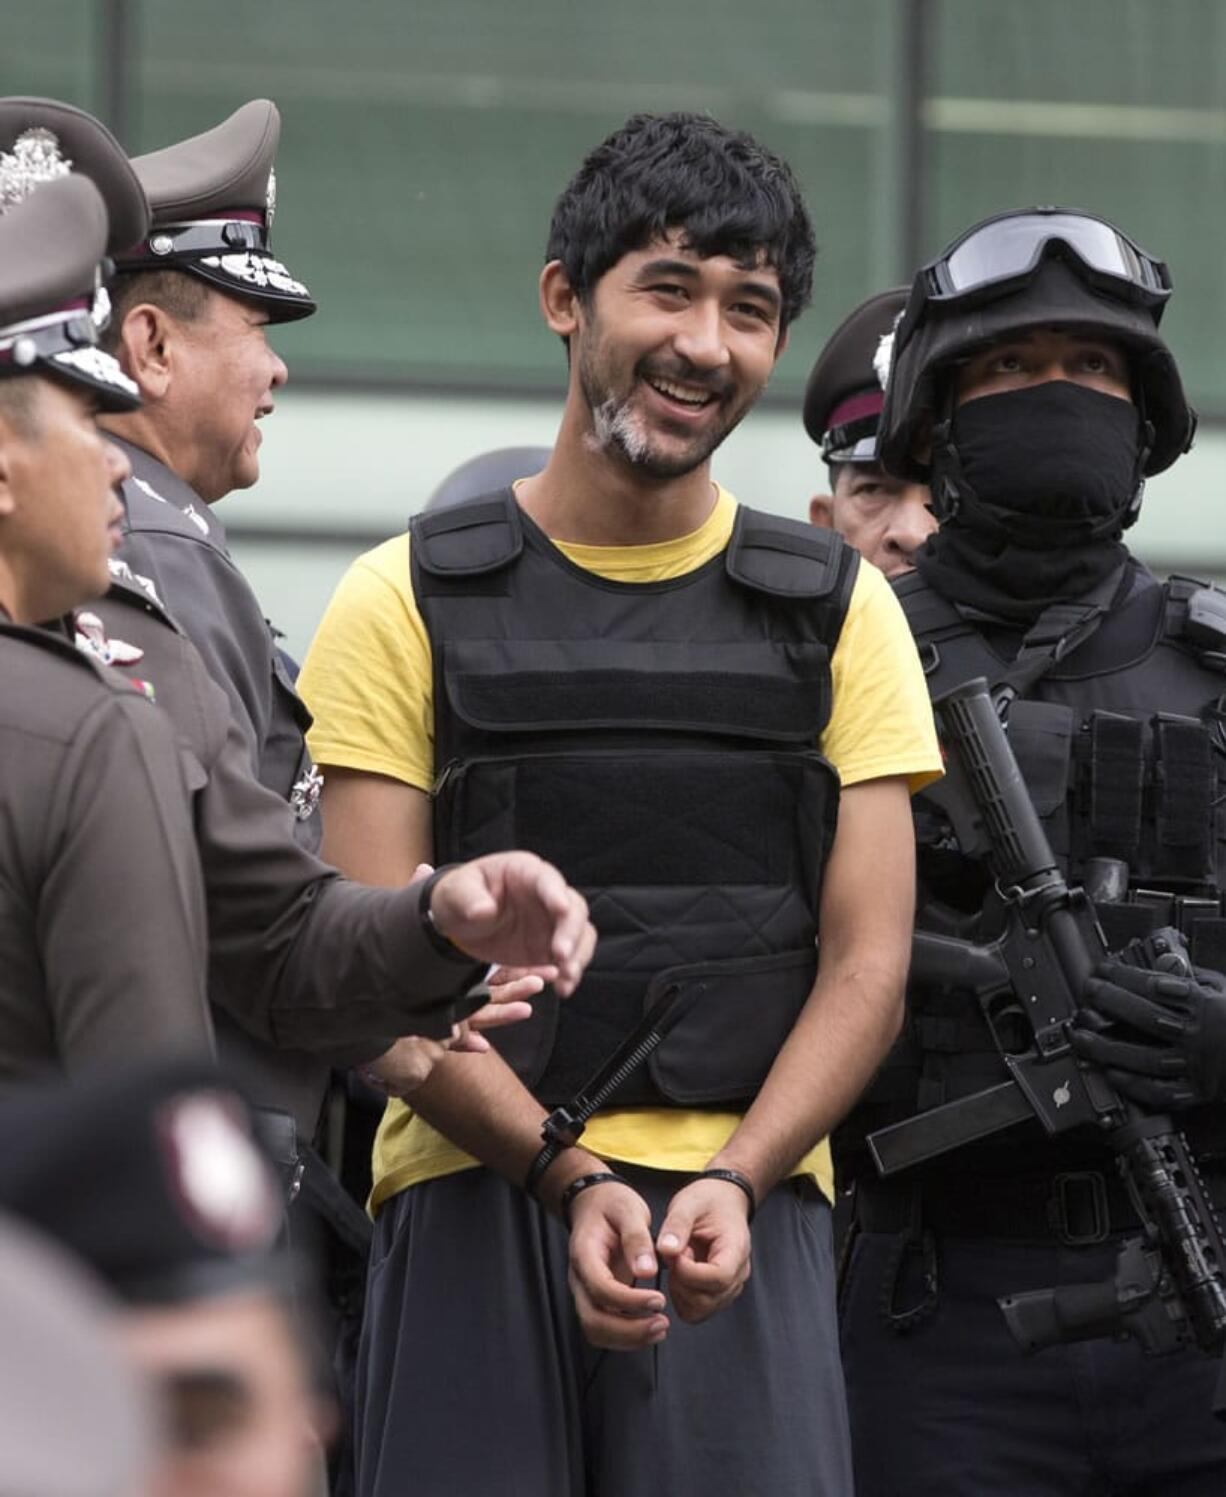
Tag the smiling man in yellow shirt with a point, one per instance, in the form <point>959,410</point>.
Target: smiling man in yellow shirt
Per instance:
<point>711,719</point>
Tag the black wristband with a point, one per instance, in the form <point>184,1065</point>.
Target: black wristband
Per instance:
<point>742,1182</point>
<point>585,1182</point>
<point>425,914</point>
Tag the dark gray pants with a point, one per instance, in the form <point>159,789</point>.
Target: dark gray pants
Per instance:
<point>953,1409</point>
<point>474,1378</point>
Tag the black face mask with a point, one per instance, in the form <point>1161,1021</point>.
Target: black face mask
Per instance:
<point>1037,486</point>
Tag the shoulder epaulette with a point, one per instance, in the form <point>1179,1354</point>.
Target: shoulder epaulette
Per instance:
<point>466,540</point>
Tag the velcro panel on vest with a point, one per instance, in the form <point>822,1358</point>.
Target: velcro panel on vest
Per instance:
<point>468,540</point>
<point>1116,785</point>
<point>778,692</point>
<point>789,559</point>
<point>1185,782</point>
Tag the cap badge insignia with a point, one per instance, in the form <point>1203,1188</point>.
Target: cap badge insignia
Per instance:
<point>883,358</point>
<point>221,1180</point>
<point>304,797</point>
<point>271,200</point>
<point>34,159</point>
<point>261,271</point>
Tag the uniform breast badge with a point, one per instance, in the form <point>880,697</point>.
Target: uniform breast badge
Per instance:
<point>304,797</point>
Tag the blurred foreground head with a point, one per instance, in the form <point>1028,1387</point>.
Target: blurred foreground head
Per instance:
<point>152,1178</point>
<point>74,1421</point>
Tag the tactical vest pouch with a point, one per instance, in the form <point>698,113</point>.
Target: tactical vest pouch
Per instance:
<point>1041,735</point>
<point>635,809</point>
<point>741,1013</point>
<point>1116,786</point>
<point>1184,792</point>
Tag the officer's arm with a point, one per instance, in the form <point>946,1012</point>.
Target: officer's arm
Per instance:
<point>856,1006</point>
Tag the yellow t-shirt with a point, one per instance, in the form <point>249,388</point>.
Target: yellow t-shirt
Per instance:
<point>368,681</point>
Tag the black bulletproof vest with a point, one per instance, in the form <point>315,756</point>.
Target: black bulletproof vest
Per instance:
<point>1111,777</point>
<point>658,742</point>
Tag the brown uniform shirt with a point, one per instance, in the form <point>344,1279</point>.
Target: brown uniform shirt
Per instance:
<point>306,969</point>
<point>102,918</point>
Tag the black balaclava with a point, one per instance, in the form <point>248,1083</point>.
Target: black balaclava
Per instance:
<point>1034,488</point>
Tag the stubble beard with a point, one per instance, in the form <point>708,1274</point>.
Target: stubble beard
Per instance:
<point>619,430</point>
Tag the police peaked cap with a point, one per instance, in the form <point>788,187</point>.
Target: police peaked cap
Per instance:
<point>844,370</point>
<point>51,305</point>
<point>213,199</point>
<point>42,138</point>
<point>932,336</point>
<point>150,1175</point>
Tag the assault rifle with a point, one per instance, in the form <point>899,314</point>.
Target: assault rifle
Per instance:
<point>1168,1288</point>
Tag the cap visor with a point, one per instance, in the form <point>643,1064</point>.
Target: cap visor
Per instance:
<point>96,371</point>
<point>257,277</point>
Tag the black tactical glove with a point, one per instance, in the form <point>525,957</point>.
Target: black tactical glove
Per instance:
<point>1165,1041</point>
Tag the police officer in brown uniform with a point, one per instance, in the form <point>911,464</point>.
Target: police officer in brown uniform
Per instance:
<point>887,519</point>
<point>105,861</point>
<point>102,916</point>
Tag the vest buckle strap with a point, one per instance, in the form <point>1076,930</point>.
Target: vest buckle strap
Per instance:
<point>1078,1210</point>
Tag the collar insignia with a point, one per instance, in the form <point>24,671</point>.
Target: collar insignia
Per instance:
<point>90,637</point>
<point>304,797</point>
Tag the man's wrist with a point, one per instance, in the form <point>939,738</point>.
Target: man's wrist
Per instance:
<point>437,937</point>
<point>569,1165</point>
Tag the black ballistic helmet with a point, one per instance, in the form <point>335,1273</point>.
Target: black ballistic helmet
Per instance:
<point>1037,267</point>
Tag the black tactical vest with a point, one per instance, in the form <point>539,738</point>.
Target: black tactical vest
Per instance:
<point>1111,778</point>
<point>658,742</point>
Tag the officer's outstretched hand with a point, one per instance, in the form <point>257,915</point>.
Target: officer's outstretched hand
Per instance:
<point>610,1247</point>
<point>705,1243</point>
<point>518,910</point>
<point>1165,1044</point>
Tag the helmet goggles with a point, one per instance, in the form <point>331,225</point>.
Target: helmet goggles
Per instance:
<point>1005,252</point>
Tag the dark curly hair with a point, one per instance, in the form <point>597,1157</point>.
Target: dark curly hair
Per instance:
<point>727,195</point>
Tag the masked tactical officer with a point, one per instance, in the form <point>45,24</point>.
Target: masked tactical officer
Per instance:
<point>886,519</point>
<point>91,781</point>
<point>1030,386</point>
<point>546,656</point>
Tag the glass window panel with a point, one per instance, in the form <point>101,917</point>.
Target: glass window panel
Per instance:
<point>53,49</point>
<point>1118,108</point>
<point>423,148</point>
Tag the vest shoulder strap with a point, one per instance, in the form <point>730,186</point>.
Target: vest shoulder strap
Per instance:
<point>1195,616</point>
<point>788,559</point>
<point>467,540</point>
<point>927,612</point>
